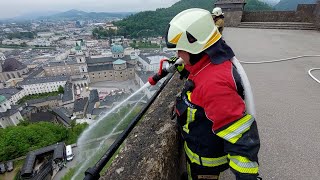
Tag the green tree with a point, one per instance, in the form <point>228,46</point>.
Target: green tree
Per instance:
<point>25,137</point>
<point>24,122</point>
<point>75,131</point>
<point>60,90</point>
<point>19,140</point>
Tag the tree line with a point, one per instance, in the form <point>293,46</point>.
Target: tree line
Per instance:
<point>18,140</point>
<point>154,23</point>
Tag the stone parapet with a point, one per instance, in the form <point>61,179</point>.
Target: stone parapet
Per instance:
<point>152,150</point>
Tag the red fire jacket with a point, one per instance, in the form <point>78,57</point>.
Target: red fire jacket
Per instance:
<point>216,92</point>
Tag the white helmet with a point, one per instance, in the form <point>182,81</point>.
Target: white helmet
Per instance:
<point>192,30</point>
<point>217,11</point>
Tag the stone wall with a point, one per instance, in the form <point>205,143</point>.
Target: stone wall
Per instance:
<point>304,13</point>
<point>233,18</point>
<point>317,15</point>
<point>152,150</point>
<point>233,10</point>
<point>269,16</point>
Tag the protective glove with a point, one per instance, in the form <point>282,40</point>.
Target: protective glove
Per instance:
<point>180,67</point>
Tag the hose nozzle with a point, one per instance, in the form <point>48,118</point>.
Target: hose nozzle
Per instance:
<point>164,71</point>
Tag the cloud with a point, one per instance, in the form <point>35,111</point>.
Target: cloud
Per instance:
<point>11,8</point>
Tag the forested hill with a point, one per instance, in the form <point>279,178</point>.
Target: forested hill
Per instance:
<point>256,5</point>
<point>292,4</point>
<point>155,22</point>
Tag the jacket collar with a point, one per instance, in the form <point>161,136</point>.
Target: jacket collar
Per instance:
<point>195,69</point>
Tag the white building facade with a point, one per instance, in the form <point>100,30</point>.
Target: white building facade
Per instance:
<point>8,116</point>
<point>43,84</point>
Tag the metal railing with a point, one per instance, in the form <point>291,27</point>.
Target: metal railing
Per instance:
<point>93,173</point>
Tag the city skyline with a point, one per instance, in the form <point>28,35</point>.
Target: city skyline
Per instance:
<point>16,8</point>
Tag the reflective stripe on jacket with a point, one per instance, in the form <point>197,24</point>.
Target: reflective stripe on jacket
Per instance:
<point>213,120</point>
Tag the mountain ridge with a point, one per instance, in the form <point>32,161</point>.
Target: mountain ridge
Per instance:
<point>286,5</point>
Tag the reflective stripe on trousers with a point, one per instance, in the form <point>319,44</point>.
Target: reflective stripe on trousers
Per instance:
<point>208,162</point>
<point>243,165</point>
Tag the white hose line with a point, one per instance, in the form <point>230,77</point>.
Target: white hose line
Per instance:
<point>314,78</point>
<point>249,100</point>
<point>280,60</point>
<point>288,59</point>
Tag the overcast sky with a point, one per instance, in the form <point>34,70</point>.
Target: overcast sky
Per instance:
<point>13,8</point>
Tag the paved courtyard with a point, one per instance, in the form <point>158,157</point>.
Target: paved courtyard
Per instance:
<point>287,99</point>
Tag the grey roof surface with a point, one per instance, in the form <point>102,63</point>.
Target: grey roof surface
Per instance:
<point>67,95</point>
<point>90,108</point>
<point>94,95</point>
<point>145,56</point>
<point>9,92</point>
<point>35,72</point>
<point>58,151</point>
<point>62,63</point>
<point>103,67</point>
<point>8,113</point>
<point>12,64</point>
<point>105,60</point>
<point>80,104</point>
<point>130,65</point>
<point>79,79</point>
<point>65,111</point>
<point>93,98</point>
<point>100,60</point>
<point>49,98</point>
<point>39,80</point>
<point>63,116</point>
<point>42,116</point>
<point>98,111</point>
<point>27,109</point>
<point>109,100</point>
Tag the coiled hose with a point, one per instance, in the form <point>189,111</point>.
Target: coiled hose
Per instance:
<point>289,59</point>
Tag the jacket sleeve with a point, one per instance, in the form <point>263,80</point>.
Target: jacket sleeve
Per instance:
<point>220,24</point>
<point>226,109</point>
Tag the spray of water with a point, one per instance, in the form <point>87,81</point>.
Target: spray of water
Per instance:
<point>83,138</point>
<point>93,126</point>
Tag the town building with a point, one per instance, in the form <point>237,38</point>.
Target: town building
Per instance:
<point>43,84</point>
<point>12,70</point>
<point>9,116</point>
<point>118,67</point>
<point>151,61</point>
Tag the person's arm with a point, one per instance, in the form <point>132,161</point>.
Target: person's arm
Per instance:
<point>220,24</point>
<point>225,108</point>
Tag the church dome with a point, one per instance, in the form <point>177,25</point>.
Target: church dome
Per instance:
<point>116,49</point>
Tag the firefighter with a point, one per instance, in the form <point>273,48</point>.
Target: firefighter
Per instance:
<point>218,18</point>
<point>217,131</point>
